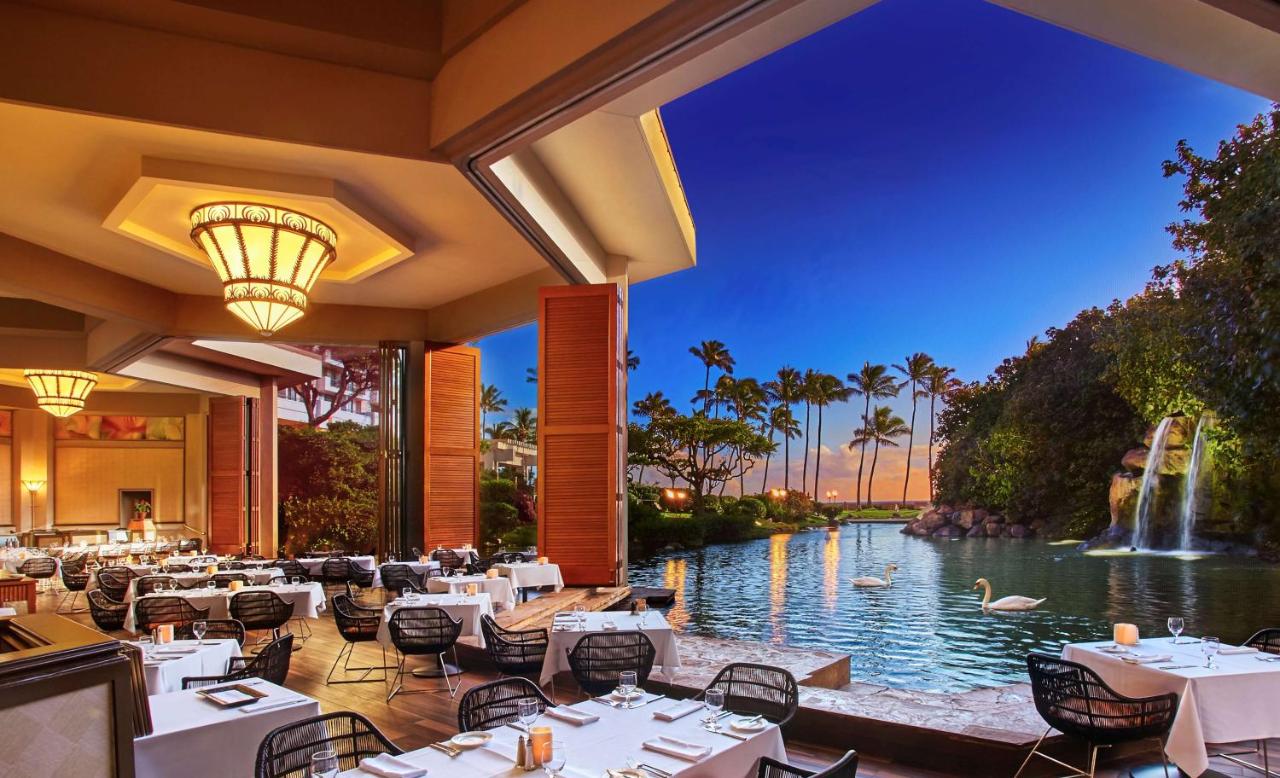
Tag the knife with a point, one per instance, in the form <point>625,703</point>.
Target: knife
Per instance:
<point>654,770</point>
<point>726,734</point>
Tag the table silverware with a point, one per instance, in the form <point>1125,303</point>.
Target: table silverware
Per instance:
<point>726,733</point>
<point>1175,667</point>
<point>654,770</point>
<point>271,706</point>
<point>441,747</point>
<point>646,702</point>
<point>603,701</point>
<point>518,727</point>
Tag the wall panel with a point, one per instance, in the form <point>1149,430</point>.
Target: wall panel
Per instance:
<point>88,479</point>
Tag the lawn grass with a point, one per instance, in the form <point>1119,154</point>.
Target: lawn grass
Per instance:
<point>879,514</point>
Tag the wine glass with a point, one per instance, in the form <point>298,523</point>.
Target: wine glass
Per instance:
<point>580,612</point>
<point>324,764</point>
<point>527,711</point>
<point>553,758</point>
<point>714,699</point>
<point>198,628</point>
<point>1176,625</point>
<point>1210,646</point>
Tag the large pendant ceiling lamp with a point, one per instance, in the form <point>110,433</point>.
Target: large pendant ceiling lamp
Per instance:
<point>61,392</point>
<point>267,257</point>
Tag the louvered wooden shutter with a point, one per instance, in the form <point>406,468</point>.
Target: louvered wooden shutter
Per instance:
<point>452,446</point>
<point>228,467</point>
<point>579,378</point>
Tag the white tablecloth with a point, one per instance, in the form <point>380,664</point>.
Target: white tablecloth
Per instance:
<point>307,600</point>
<point>531,575</point>
<point>608,743</point>
<point>166,668</point>
<point>499,589</point>
<point>196,580</point>
<point>1233,703</point>
<point>204,560</point>
<point>469,608</point>
<point>656,627</point>
<point>193,738</point>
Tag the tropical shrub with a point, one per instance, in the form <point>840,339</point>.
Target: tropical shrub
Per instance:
<point>328,482</point>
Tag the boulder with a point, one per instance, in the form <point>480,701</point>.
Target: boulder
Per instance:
<point>965,519</point>
<point>992,529</point>
<point>1175,462</point>
<point>1182,430</point>
<point>995,518</point>
<point>1134,460</point>
<point>943,509</point>
<point>1123,499</point>
<point>978,531</point>
<point>949,531</point>
<point>1037,526</point>
<point>980,515</point>
<point>1018,531</point>
<point>932,523</point>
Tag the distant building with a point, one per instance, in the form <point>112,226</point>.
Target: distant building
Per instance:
<point>512,458</point>
<point>363,408</point>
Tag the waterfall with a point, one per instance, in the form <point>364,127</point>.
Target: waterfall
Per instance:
<point>1191,488</point>
<point>1150,480</point>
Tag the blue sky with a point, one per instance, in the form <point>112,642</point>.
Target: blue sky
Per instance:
<point>951,178</point>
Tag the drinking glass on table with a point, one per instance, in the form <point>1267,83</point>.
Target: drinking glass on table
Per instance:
<point>527,711</point>
<point>210,585</point>
<point>1210,646</point>
<point>198,628</point>
<point>296,580</point>
<point>714,699</point>
<point>144,641</point>
<point>627,683</point>
<point>1176,625</point>
<point>580,613</point>
<point>553,758</point>
<point>324,764</point>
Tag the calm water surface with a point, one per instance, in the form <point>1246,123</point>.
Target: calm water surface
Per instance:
<point>928,631</point>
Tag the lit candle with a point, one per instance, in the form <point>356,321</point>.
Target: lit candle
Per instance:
<point>542,560</point>
<point>211,569</point>
<point>1126,634</point>
<point>236,586</point>
<point>472,589</point>
<point>490,573</point>
<point>164,634</point>
<point>424,559</point>
<point>541,739</point>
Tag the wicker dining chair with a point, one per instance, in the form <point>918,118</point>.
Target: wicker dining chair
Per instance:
<point>123,572</point>
<point>109,614</point>
<point>493,704</point>
<point>286,751</point>
<point>178,567</point>
<point>272,664</point>
<point>398,577</point>
<point>113,585</point>
<point>232,565</point>
<point>214,629</point>
<point>753,689</point>
<point>356,624</point>
<point>449,559</point>
<point>41,568</point>
<point>148,612</point>
<point>599,656</point>
<point>75,579</point>
<point>1072,699</point>
<point>1267,640</point>
<point>261,610</point>
<point>149,584</point>
<point>514,652</point>
<point>223,580</point>
<point>846,767</point>
<point>423,632</point>
<point>292,567</point>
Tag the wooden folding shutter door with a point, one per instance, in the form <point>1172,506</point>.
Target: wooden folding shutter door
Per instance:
<point>580,431</point>
<point>451,496</point>
<point>233,473</point>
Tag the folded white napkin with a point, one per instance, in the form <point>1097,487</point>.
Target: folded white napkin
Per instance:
<point>178,650</point>
<point>680,749</point>
<point>1229,650</point>
<point>388,766</point>
<point>679,710</point>
<point>571,715</point>
<point>1146,659</point>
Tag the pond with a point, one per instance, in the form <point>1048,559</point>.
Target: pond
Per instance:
<point>928,631</point>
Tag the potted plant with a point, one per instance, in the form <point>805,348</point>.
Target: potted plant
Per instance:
<point>141,509</point>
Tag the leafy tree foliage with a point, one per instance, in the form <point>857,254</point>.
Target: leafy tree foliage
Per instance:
<point>328,484</point>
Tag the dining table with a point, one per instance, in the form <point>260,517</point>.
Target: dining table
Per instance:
<point>198,578</point>
<point>499,588</point>
<point>614,736</point>
<point>1233,701</point>
<point>194,738</point>
<point>166,665</point>
<point>566,632</point>
<point>531,575</point>
<point>364,561</point>
<point>467,607</point>
<point>307,599</point>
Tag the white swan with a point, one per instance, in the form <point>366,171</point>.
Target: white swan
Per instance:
<point>872,581</point>
<point>1013,602</point>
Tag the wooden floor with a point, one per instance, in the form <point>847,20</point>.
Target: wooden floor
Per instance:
<point>412,721</point>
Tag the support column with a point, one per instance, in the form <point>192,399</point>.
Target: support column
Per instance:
<point>400,444</point>
<point>267,532</point>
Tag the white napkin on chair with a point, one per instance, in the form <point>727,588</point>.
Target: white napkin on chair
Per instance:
<point>387,766</point>
<point>571,715</point>
<point>677,711</point>
<point>680,749</point>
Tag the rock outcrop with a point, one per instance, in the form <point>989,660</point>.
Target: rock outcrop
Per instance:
<point>947,522</point>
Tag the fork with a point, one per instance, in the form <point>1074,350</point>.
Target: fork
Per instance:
<point>450,750</point>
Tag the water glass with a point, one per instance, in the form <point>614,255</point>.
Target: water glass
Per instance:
<point>714,699</point>
<point>210,585</point>
<point>527,710</point>
<point>324,764</point>
<point>553,758</point>
<point>580,612</point>
<point>296,580</point>
<point>627,682</point>
<point>198,628</point>
<point>1210,646</point>
<point>1176,625</point>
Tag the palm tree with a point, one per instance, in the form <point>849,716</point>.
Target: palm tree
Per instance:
<point>746,400</point>
<point>531,375</point>
<point>633,361</point>
<point>881,427</point>
<point>491,401</point>
<point>916,368</point>
<point>940,384</point>
<point>654,405</point>
<point>808,386</point>
<point>501,430</point>
<point>785,422</point>
<point>874,383</point>
<point>785,389</point>
<point>827,389</point>
<point>773,418</point>
<point>712,353</point>
<point>524,425</point>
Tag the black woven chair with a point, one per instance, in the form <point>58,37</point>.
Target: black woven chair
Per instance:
<point>270,665</point>
<point>232,565</point>
<point>113,585</point>
<point>423,632</point>
<point>514,652</point>
<point>599,656</point>
<point>361,577</point>
<point>336,570</point>
<point>75,579</point>
<point>123,572</point>
<point>356,624</point>
<point>400,578</point>
<point>1072,699</point>
<point>107,613</point>
<point>292,567</point>
<point>847,767</point>
<point>148,612</point>
<point>449,560</point>
<point>41,568</point>
<point>286,751</point>
<point>214,629</point>
<point>493,704</point>
<point>1267,640</point>
<point>149,584</point>
<point>261,610</point>
<point>752,689</point>
<point>223,580</point>
<point>178,567</point>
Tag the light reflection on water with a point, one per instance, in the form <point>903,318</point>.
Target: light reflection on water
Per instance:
<point>927,631</point>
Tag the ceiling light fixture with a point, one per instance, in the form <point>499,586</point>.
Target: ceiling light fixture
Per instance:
<point>61,392</point>
<point>267,257</point>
